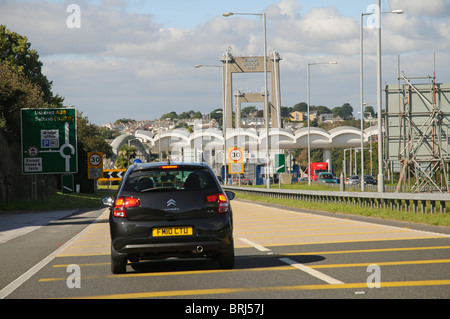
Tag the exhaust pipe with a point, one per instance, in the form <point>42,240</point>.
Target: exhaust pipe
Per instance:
<point>199,249</point>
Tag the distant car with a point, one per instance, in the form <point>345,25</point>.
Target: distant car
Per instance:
<point>326,178</point>
<point>274,180</point>
<point>353,180</point>
<point>166,210</point>
<point>368,179</point>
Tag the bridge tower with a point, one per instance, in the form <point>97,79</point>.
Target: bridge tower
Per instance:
<point>252,64</point>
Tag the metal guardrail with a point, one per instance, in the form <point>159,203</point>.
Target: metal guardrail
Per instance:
<point>394,201</point>
<point>387,188</point>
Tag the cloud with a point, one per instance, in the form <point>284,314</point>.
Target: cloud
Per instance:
<point>121,63</point>
<point>44,23</point>
<point>286,9</point>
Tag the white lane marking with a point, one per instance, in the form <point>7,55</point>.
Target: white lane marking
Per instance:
<point>311,271</point>
<point>255,245</point>
<point>299,266</point>
<point>33,270</point>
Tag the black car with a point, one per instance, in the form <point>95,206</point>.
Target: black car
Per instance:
<point>164,210</point>
<point>368,179</point>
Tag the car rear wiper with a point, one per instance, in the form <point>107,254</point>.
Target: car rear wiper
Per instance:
<point>156,189</point>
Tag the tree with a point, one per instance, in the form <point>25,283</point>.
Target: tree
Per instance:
<point>217,115</point>
<point>369,111</point>
<point>22,85</point>
<point>259,113</point>
<point>183,116</point>
<point>197,115</point>
<point>345,111</point>
<point>124,120</point>
<point>300,107</point>
<point>187,115</point>
<point>16,52</point>
<point>246,111</point>
<point>322,110</point>
<point>126,154</point>
<point>172,115</point>
<point>107,133</point>
<point>90,137</point>
<point>16,92</point>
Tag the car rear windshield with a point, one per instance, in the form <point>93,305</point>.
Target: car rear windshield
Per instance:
<point>178,178</point>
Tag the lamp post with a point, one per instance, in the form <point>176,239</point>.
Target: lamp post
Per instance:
<point>379,98</point>
<point>266,101</point>
<point>224,119</point>
<point>379,94</point>
<point>197,66</point>
<point>309,126</point>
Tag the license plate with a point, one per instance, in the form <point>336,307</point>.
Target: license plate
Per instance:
<point>172,231</point>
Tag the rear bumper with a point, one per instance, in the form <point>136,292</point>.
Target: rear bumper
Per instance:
<point>123,247</point>
<point>171,247</point>
<point>135,237</point>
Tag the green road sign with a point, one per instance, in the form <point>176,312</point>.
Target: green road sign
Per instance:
<point>280,163</point>
<point>49,141</point>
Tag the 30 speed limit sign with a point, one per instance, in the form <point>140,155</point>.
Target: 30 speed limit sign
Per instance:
<point>95,159</point>
<point>95,165</point>
<point>236,154</point>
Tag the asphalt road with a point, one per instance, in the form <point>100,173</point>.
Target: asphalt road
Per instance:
<point>280,254</point>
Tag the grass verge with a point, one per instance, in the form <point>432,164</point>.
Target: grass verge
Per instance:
<point>436,219</point>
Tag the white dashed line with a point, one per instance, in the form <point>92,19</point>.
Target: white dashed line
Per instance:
<point>311,271</point>
<point>255,245</point>
<point>308,270</point>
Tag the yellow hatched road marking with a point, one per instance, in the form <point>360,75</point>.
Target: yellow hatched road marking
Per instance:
<point>278,268</point>
<point>333,234</point>
<point>87,246</point>
<point>345,241</point>
<point>291,224</point>
<point>310,253</point>
<point>385,263</point>
<point>303,230</point>
<point>171,273</point>
<point>194,292</point>
<point>367,250</point>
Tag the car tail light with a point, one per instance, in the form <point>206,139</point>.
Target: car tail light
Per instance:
<point>122,203</point>
<point>220,199</point>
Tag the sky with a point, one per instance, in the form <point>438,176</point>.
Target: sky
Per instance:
<point>115,59</point>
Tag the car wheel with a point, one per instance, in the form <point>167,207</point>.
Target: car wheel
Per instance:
<point>226,258</point>
<point>118,266</point>
<point>118,262</point>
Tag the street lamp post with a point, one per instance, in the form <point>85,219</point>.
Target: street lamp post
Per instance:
<point>361,65</point>
<point>379,95</point>
<point>379,98</point>
<point>309,126</point>
<point>197,66</point>
<point>266,101</point>
<point>224,119</point>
